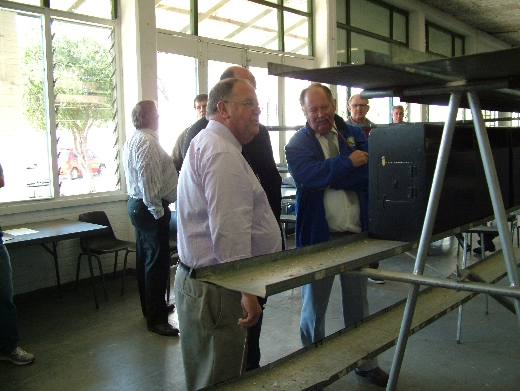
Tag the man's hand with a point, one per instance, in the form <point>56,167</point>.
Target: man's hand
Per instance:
<point>251,309</point>
<point>359,158</point>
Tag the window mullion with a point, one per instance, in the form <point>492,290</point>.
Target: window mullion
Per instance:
<point>50,113</point>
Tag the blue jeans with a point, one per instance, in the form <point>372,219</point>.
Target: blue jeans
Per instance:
<point>152,259</point>
<point>315,299</point>
<point>8,331</point>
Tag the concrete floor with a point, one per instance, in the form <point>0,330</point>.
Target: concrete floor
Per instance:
<point>80,348</point>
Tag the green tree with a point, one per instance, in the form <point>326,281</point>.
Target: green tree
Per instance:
<point>83,89</point>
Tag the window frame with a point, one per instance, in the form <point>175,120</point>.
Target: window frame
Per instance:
<point>453,34</point>
<point>56,200</point>
<point>349,29</point>
<point>280,10</point>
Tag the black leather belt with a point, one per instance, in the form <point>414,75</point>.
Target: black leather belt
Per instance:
<point>190,272</point>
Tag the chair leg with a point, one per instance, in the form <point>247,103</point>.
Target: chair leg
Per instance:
<point>77,269</point>
<point>124,272</point>
<point>102,275</point>
<point>115,267</point>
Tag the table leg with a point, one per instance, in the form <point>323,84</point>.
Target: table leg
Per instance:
<point>54,253</point>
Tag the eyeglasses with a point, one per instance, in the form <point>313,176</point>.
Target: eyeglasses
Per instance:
<point>361,105</point>
<point>249,103</point>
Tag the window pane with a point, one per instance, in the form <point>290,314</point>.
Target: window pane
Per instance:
<point>301,5</point>
<point>215,69</point>
<point>173,15</point>
<point>176,111</point>
<point>99,8</point>
<point>370,17</point>
<point>293,112</point>
<point>29,2</point>
<point>25,141</point>
<point>342,100</point>
<point>296,33</point>
<point>267,94</point>
<point>439,42</point>
<point>342,46</point>
<point>341,11</point>
<point>399,30</point>
<point>255,24</point>
<point>440,113</point>
<point>360,43</point>
<point>85,112</point>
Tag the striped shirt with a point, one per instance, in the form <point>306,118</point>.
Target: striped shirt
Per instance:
<point>222,211</point>
<point>150,173</point>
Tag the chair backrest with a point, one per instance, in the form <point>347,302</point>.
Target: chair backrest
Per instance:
<point>97,217</point>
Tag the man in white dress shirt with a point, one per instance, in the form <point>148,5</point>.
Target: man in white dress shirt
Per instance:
<point>223,216</point>
<point>151,181</point>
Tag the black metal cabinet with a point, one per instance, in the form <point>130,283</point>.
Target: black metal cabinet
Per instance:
<point>401,168</point>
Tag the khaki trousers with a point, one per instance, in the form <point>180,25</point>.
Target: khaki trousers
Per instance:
<point>212,343</point>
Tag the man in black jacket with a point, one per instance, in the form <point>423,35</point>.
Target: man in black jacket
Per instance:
<point>259,155</point>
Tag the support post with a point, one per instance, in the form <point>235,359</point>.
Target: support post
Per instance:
<point>431,213</point>
<point>496,196</point>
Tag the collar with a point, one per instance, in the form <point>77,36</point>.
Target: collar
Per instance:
<point>224,132</point>
<point>150,132</point>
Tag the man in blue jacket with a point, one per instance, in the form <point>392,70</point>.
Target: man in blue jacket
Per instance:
<point>328,160</point>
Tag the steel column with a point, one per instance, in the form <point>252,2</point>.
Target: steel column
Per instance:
<point>431,213</point>
<point>496,196</point>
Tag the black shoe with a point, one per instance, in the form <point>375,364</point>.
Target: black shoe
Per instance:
<point>376,376</point>
<point>170,307</point>
<point>164,329</point>
<point>489,247</point>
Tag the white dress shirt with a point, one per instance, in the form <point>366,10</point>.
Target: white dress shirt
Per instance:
<point>150,173</point>
<point>222,211</point>
<point>342,209</point>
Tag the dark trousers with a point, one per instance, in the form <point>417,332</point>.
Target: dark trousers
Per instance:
<point>8,330</point>
<point>152,259</point>
<point>253,343</point>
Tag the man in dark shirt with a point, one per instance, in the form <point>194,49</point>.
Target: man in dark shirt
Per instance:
<point>200,104</point>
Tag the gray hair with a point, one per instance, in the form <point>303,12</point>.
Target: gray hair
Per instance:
<point>143,114</point>
<point>220,92</point>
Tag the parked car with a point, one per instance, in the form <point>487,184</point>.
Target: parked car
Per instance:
<point>68,163</point>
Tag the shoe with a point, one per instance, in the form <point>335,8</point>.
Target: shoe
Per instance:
<point>170,307</point>
<point>164,329</point>
<point>489,247</point>
<point>18,357</point>
<point>376,280</point>
<point>468,248</point>
<point>376,376</point>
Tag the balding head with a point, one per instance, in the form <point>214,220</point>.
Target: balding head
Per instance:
<point>239,73</point>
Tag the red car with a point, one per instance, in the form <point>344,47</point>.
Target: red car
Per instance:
<point>68,163</point>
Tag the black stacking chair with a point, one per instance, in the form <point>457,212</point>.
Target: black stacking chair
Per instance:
<point>103,244</point>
